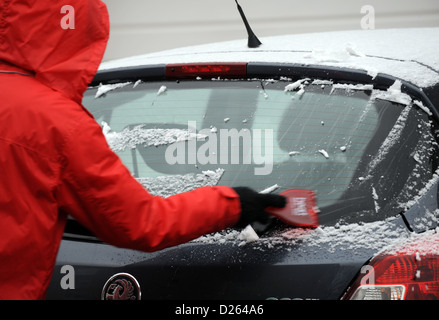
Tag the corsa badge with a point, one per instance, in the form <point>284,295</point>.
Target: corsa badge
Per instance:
<point>121,286</point>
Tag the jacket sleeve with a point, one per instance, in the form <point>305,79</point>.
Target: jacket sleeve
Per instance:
<point>100,192</point>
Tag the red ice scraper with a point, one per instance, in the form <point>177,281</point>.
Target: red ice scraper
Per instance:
<point>301,209</point>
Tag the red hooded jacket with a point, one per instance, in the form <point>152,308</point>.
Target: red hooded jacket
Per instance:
<point>55,161</point>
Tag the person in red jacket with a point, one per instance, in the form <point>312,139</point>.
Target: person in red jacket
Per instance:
<point>55,161</point>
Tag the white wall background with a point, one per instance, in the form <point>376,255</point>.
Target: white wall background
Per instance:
<point>142,26</point>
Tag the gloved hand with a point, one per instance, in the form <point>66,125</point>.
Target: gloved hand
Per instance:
<point>253,205</point>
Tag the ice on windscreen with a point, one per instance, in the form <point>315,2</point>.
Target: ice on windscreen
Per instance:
<point>374,235</point>
<point>375,200</point>
<point>407,205</point>
<point>103,89</point>
<point>322,82</point>
<point>393,94</point>
<point>390,140</point>
<point>166,186</point>
<point>161,90</point>
<point>377,235</point>
<point>422,107</point>
<point>299,84</point>
<point>131,138</point>
<point>351,87</point>
<point>324,153</point>
<point>270,189</point>
<point>295,85</point>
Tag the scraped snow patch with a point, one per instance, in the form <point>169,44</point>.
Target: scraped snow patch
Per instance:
<point>166,186</point>
<point>131,138</point>
<point>247,235</point>
<point>377,235</point>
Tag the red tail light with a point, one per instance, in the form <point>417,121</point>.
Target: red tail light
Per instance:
<point>400,276</point>
<point>206,70</point>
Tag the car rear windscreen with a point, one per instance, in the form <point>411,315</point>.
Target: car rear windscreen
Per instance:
<point>365,155</point>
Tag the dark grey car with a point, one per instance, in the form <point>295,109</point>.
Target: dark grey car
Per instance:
<point>366,144</point>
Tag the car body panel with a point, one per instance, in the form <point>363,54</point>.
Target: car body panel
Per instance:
<point>299,263</point>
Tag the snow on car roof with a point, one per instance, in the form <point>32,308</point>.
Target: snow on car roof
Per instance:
<point>409,54</point>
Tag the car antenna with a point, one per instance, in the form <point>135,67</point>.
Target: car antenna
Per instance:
<point>253,41</point>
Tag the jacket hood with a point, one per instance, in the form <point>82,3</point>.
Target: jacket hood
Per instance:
<point>61,42</point>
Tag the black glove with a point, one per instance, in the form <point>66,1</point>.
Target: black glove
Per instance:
<point>253,206</point>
